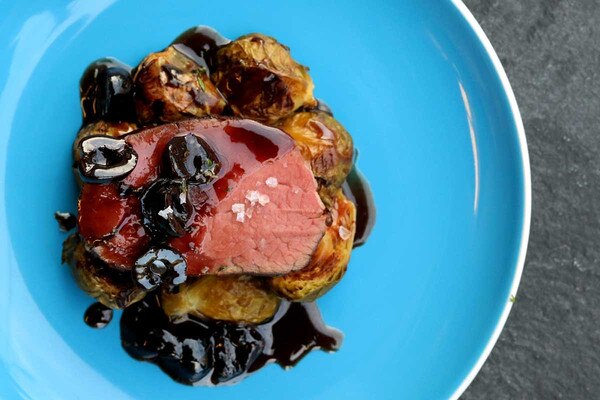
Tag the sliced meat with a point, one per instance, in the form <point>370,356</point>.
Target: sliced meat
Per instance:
<point>100,210</point>
<point>111,225</point>
<point>241,144</point>
<point>261,170</point>
<point>127,244</point>
<point>260,228</point>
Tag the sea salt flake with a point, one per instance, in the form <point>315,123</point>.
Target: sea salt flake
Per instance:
<point>238,208</point>
<point>205,270</point>
<point>271,182</point>
<point>345,233</point>
<point>240,217</point>
<point>252,196</point>
<point>263,199</point>
<point>249,212</point>
<point>165,213</point>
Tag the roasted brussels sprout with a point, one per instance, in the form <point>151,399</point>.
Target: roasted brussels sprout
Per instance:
<point>241,299</point>
<point>326,145</point>
<point>328,263</point>
<point>170,85</point>
<point>261,80</point>
<point>110,287</point>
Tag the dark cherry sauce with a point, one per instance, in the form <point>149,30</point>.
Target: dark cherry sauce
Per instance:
<point>66,221</point>
<point>357,189</point>
<point>296,330</point>
<point>211,353</point>
<point>98,315</point>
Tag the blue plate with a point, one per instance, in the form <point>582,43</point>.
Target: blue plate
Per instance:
<point>417,84</point>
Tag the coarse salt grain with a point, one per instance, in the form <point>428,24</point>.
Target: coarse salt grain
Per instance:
<point>238,208</point>
<point>271,182</point>
<point>252,196</point>
<point>263,199</point>
<point>240,217</point>
<point>345,233</point>
<point>249,212</point>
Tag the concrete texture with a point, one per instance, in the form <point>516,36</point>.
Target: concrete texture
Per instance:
<point>550,348</point>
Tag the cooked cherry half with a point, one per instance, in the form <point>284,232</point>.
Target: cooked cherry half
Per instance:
<point>106,91</point>
<point>103,158</point>
<point>189,157</point>
<point>160,265</point>
<point>166,208</point>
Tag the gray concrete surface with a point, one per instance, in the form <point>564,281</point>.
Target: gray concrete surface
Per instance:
<point>550,348</point>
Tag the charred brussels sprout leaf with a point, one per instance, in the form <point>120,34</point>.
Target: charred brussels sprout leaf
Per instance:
<point>170,85</point>
<point>110,287</point>
<point>261,80</point>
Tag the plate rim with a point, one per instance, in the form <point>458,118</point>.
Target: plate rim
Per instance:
<point>526,174</point>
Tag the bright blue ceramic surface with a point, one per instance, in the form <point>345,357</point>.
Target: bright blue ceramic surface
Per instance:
<point>438,141</point>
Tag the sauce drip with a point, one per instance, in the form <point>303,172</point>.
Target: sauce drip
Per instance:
<point>210,353</point>
<point>98,315</point>
<point>357,190</point>
<point>296,329</point>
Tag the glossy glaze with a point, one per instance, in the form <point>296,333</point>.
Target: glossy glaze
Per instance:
<point>357,189</point>
<point>203,42</point>
<point>106,91</point>
<point>98,315</point>
<point>211,353</point>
